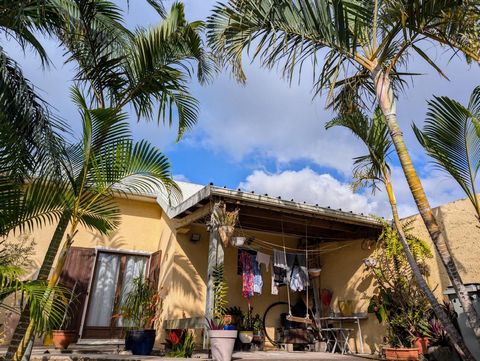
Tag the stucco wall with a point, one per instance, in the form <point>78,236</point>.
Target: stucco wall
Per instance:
<point>184,263</point>
<point>141,229</point>
<point>462,228</point>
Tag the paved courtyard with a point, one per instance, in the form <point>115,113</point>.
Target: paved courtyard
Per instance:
<point>40,354</point>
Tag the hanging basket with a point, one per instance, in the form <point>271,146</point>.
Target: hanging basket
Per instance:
<point>238,241</point>
<point>225,233</point>
<point>314,272</point>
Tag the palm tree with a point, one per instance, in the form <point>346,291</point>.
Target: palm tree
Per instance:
<point>357,49</point>
<point>28,130</point>
<point>372,169</point>
<point>46,305</point>
<point>105,163</point>
<point>149,69</point>
<point>451,136</point>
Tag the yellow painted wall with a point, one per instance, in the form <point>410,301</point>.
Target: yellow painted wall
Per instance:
<point>462,228</point>
<point>141,229</point>
<point>184,263</point>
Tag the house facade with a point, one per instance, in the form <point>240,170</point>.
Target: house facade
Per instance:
<point>172,245</point>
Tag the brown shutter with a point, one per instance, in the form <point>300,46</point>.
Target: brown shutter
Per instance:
<point>154,268</point>
<point>78,269</point>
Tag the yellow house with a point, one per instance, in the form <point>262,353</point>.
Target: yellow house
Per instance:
<point>172,244</point>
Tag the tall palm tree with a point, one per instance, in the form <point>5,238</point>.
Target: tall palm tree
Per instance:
<point>105,163</point>
<point>451,136</point>
<point>358,49</point>
<point>148,70</point>
<point>28,131</point>
<point>372,169</point>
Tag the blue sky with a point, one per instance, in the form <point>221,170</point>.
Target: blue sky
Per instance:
<point>268,136</point>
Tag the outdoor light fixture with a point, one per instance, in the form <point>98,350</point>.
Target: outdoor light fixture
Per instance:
<point>195,237</point>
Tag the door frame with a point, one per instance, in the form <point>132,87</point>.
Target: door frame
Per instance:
<point>98,249</point>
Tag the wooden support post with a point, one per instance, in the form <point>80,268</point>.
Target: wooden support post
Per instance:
<point>215,256</point>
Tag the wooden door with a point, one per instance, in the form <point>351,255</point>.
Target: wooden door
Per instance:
<point>76,277</point>
<point>111,282</point>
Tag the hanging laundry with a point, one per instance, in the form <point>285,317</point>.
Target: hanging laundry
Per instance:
<point>263,258</point>
<point>257,276</point>
<point>280,268</point>
<point>246,261</point>
<point>299,275</point>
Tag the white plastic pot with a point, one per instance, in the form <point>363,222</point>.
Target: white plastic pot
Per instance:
<point>221,344</point>
<point>246,336</point>
<point>238,241</point>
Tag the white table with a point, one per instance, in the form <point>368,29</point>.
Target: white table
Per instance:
<point>355,318</point>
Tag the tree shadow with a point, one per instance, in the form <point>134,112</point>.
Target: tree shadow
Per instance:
<point>112,240</point>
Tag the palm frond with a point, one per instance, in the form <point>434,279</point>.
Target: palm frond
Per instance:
<point>368,169</point>
<point>450,137</point>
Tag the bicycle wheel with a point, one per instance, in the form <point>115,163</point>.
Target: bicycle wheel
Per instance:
<point>272,321</point>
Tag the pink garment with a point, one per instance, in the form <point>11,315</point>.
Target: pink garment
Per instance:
<point>247,274</point>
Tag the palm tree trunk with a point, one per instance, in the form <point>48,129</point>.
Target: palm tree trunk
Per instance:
<point>387,104</point>
<point>453,334</point>
<point>24,330</point>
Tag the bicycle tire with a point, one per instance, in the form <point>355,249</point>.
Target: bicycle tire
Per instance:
<point>273,342</point>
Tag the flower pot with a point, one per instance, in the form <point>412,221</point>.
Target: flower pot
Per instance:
<point>401,353</point>
<point>245,336</point>
<point>422,344</point>
<point>314,272</point>
<point>238,241</point>
<point>225,233</point>
<point>140,342</point>
<point>63,338</point>
<point>221,344</point>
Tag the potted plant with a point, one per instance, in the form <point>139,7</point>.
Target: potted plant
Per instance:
<point>64,335</point>
<point>222,337</point>
<point>245,333</point>
<point>232,316</point>
<point>138,313</point>
<point>257,325</point>
<point>398,301</point>
<point>181,344</point>
<point>221,341</point>
<point>223,222</point>
<point>439,347</point>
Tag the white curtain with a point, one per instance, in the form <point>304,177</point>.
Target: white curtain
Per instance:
<point>102,295</point>
<point>134,267</point>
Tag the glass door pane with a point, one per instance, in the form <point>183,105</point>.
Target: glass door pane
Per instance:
<point>102,296</point>
<point>135,266</point>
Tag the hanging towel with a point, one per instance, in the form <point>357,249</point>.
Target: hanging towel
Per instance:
<point>280,268</point>
<point>257,276</point>
<point>274,288</point>
<point>263,258</point>
<point>247,274</point>
<point>299,275</point>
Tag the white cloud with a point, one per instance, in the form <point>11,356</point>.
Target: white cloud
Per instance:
<point>308,186</point>
<point>181,178</point>
<point>268,119</point>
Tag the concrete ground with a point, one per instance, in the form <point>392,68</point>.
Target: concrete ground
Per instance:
<point>53,355</point>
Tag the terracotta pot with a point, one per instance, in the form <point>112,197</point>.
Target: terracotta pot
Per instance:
<point>227,319</point>
<point>221,344</point>
<point>401,353</point>
<point>61,339</point>
<point>422,344</point>
<point>225,233</point>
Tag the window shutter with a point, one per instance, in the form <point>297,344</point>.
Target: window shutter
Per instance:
<point>78,270</point>
<point>154,268</point>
